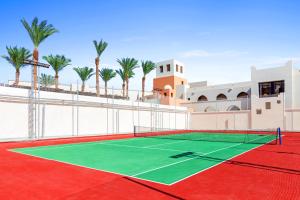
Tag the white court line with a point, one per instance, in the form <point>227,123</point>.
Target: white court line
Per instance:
<point>137,147</point>
<point>85,167</point>
<point>133,176</point>
<point>175,163</point>
<point>166,143</point>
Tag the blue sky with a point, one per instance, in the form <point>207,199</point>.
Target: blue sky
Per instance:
<point>217,40</point>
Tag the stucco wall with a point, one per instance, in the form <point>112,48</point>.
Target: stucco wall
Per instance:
<point>220,120</point>
<point>58,117</point>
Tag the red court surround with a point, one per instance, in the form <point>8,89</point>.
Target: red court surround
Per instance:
<point>268,172</point>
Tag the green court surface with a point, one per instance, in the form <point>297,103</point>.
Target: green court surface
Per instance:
<point>163,159</point>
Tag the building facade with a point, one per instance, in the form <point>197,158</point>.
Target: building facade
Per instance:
<point>270,99</point>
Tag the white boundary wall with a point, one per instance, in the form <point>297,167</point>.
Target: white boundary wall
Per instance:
<point>231,120</point>
<point>60,115</point>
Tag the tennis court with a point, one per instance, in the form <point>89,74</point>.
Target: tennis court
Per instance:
<point>162,158</point>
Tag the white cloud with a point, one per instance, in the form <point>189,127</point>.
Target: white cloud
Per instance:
<point>203,53</point>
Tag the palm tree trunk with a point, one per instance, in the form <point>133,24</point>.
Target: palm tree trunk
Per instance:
<point>56,80</point>
<point>97,61</point>
<point>143,87</point>
<point>127,86</point>
<point>82,86</point>
<point>105,88</point>
<point>17,77</point>
<point>35,59</point>
<point>123,88</point>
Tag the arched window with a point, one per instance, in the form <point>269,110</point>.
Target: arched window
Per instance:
<point>202,98</point>
<point>209,109</point>
<point>221,97</point>
<point>242,95</point>
<point>233,108</point>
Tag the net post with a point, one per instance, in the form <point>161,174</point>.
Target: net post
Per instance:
<point>134,130</point>
<point>279,135</point>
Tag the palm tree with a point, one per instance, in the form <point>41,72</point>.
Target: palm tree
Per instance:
<point>120,72</point>
<point>107,74</point>
<point>46,80</point>
<point>100,47</point>
<point>38,32</point>
<point>85,73</point>
<point>147,67</point>
<point>58,63</point>
<point>128,65</point>
<point>16,57</point>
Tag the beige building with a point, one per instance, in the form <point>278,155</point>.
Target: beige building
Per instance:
<point>269,100</point>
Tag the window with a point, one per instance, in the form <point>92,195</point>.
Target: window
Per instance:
<point>161,69</point>
<point>221,97</point>
<point>258,111</point>
<point>278,102</point>
<point>165,94</point>
<point>270,89</point>
<point>182,82</point>
<point>202,98</point>
<point>189,99</point>
<point>181,69</point>
<point>171,94</point>
<point>176,68</point>
<point>242,95</point>
<point>268,105</point>
<point>233,108</point>
<point>168,67</point>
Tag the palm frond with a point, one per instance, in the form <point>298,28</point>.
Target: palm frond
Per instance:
<point>46,80</point>
<point>16,56</point>
<point>100,47</point>
<point>128,65</point>
<point>147,67</point>
<point>107,74</point>
<point>84,73</point>
<point>57,62</point>
<point>38,32</point>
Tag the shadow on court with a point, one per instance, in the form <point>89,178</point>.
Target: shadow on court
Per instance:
<point>153,188</point>
<point>239,163</point>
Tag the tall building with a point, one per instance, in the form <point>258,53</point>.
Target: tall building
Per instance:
<point>169,77</point>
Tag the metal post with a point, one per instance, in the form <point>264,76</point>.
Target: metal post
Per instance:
<point>112,109</point>
<point>38,104</point>
<point>151,116</point>
<point>43,120</point>
<point>31,108</point>
<point>279,135</point>
<point>175,115</point>
<point>138,109</point>
<point>73,118</point>
<point>77,124</point>
<point>106,114</point>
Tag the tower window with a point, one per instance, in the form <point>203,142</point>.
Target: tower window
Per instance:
<point>268,105</point>
<point>181,69</point>
<point>171,94</point>
<point>176,68</point>
<point>161,69</point>
<point>168,67</point>
<point>182,82</point>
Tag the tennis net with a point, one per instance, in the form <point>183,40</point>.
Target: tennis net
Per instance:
<point>232,136</point>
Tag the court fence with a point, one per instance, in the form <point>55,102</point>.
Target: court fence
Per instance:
<point>50,114</point>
